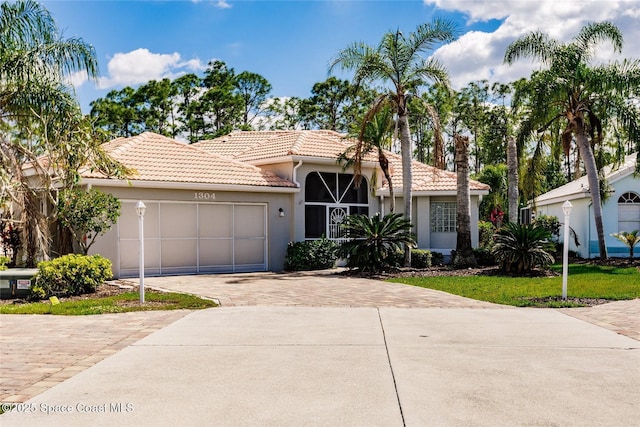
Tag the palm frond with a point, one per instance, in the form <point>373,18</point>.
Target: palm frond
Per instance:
<point>535,45</point>
<point>597,32</point>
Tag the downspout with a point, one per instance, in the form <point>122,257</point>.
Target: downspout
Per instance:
<point>295,174</point>
<point>381,205</point>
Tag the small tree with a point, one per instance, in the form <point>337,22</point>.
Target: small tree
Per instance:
<point>87,214</point>
<point>630,239</point>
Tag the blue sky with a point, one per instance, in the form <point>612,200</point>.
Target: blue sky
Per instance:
<point>291,43</point>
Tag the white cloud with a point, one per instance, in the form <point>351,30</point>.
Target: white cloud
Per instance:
<point>77,79</point>
<point>479,55</point>
<point>141,65</point>
<point>222,4</point>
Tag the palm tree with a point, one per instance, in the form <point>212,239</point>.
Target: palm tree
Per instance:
<point>37,104</point>
<point>374,134</point>
<point>630,239</point>
<point>569,89</point>
<point>512,180</point>
<point>397,61</point>
<point>464,256</point>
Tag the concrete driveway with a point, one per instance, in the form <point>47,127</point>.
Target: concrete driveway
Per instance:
<point>324,350</point>
<point>329,366</point>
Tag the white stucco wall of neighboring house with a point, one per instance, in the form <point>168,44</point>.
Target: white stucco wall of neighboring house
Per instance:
<point>583,223</point>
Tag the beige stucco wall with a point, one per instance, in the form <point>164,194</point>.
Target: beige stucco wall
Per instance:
<point>279,229</point>
<point>441,242</point>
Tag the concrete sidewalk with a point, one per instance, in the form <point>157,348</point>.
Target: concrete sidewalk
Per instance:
<point>291,366</point>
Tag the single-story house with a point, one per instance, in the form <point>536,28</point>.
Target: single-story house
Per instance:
<point>233,203</point>
<point>620,211</point>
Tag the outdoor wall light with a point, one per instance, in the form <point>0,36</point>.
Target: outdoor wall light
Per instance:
<point>281,212</point>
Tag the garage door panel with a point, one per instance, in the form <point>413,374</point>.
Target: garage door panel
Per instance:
<point>249,251</point>
<point>216,252</point>
<point>216,221</point>
<point>129,254</point>
<point>249,221</point>
<point>179,253</point>
<point>183,238</point>
<point>178,220</point>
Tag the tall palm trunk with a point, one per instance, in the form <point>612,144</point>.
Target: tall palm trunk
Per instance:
<point>407,178</point>
<point>464,256</point>
<point>384,165</point>
<point>576,122</point>
<point>438,141</point>
<point>512,179</point>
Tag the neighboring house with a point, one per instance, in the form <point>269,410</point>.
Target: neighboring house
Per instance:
<point>233,203</point>
<point>621,210</point>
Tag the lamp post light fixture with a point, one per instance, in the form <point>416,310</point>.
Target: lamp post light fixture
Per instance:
<point>566,209</point>
<point>140,208</point>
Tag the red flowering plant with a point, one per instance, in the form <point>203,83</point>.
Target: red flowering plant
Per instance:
<point>497,216</point>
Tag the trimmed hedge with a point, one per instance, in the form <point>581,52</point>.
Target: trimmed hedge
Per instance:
<point>311,255</point>
<point>71,275</point>
<point>420,258</point>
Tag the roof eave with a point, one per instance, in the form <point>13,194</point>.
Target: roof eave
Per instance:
<point>562,198</point>
<point>422,193</point>
<point>306,159</point>
<point>171,185</point>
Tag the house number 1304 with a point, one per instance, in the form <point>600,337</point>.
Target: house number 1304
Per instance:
<point>200,195</point>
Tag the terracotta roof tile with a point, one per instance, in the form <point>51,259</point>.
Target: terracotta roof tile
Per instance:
<point>427,178</point>
<point>155,157</point>
<point>253,146</point>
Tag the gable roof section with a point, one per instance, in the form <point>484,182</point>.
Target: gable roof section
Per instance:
<point>157,158</point>
<point>579,188</point>
<point>255,146</point>
<point>260,146</point>
<point>427,179</point>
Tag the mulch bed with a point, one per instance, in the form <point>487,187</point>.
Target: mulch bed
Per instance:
<point>112,288</point>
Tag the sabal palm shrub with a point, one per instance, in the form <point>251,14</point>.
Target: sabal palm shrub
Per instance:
<point>630,239</point>
<point>521,248</point>
<point>375,240</point>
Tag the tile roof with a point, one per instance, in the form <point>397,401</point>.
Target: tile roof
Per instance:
<point>259,145</point>
<point>580,186</point>
<point>255,146</point>
<point>427,178</point>
<point>155,157</point>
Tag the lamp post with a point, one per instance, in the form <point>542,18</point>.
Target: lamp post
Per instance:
<point>140,208</point>
<point>566,208</point>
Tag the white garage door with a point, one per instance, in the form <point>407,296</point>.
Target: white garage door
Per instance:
<point>188,238</point>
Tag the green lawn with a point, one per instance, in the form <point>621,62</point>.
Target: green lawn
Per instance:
<point>121,303</point>
<point>584,281</point>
